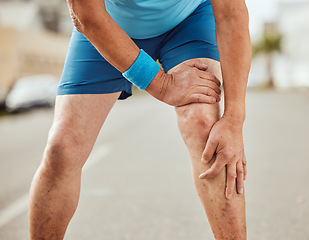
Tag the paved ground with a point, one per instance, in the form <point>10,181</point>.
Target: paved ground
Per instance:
<point>137,183</point>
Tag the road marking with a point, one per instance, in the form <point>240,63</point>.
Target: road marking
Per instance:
<point>20,206</point>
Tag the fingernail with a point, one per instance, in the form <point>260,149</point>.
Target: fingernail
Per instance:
<point>241,191</point>
<point>202,175</point>
<point>203,160</point>
<point>214,100</point>
<point>228,195</point>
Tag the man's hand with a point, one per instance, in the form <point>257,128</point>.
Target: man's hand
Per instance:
<point>225,144</point>
<point>189,83</point>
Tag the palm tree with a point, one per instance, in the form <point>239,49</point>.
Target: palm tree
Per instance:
<point>270,43</point>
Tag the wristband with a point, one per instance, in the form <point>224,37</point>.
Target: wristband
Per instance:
<point>142,71</point>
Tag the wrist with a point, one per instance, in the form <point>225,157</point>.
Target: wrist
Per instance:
<point>235,109</point>
<point>142,71</point>
<point>235,115</point>
<point>157,86</point>
<point>235,120</point>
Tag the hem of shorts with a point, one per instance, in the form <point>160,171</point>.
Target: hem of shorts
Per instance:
<point>214,56</point>
<point>94,89</point>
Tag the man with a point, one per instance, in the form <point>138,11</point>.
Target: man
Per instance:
<point>183,35</point>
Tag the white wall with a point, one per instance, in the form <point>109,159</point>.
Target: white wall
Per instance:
<point>20,15</point>
<point>293,23</point>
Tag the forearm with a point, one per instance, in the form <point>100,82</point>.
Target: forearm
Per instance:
<point>234,46</point>
<point>92,19</point>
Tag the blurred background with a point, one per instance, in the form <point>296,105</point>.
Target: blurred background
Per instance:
<point>138,189</point>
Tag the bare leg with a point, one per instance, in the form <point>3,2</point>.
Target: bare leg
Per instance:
<point>226,217</point>
<point>55,187</point>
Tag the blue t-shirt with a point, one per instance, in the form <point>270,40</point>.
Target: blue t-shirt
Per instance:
<point>142,19</point>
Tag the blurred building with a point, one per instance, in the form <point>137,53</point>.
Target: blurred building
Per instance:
<point>20,15</point>
<point>291,65</point>
<point>33,39</point>
<point>50,15</point>
<point>25,53</point>
<point>293,23</point>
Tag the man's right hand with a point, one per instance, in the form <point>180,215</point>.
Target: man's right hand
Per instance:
<point>188,84</point>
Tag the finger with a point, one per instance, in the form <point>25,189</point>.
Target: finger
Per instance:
<point>198,64</point>
<point>214,171</point>
<point>210,84</point>
<point>210,77</point>
<point>244,163</point>
<point>209,150</point>
<point>201,98</point>
<point>209,92</point>
<point>230,180</point>
<point>240,177</point>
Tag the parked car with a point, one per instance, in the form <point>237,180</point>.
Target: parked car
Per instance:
<point>32,91</point>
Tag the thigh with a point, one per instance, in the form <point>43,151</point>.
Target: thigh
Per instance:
<point>195,37</point>
<point>78,120</point>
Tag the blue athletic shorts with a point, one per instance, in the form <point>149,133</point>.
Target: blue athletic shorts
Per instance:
<point>87,72</point>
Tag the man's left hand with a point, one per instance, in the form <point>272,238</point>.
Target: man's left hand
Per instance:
<point>225,144</point>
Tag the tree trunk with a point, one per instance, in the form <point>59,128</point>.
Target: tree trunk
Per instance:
<point>269,69</point>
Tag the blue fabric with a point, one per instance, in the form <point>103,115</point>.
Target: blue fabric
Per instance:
<point>87,72</point>
<point>142,19</point>
<point>142,71</point>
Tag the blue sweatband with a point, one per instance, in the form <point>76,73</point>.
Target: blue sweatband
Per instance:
<point>142,71</point>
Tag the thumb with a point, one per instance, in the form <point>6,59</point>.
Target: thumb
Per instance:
<point>198,64</point>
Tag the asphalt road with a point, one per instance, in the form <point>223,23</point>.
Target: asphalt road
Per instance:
<point>137,183</point>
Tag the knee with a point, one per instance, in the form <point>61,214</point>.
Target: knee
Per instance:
<point>62,156</point>
<point>196,120</point>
